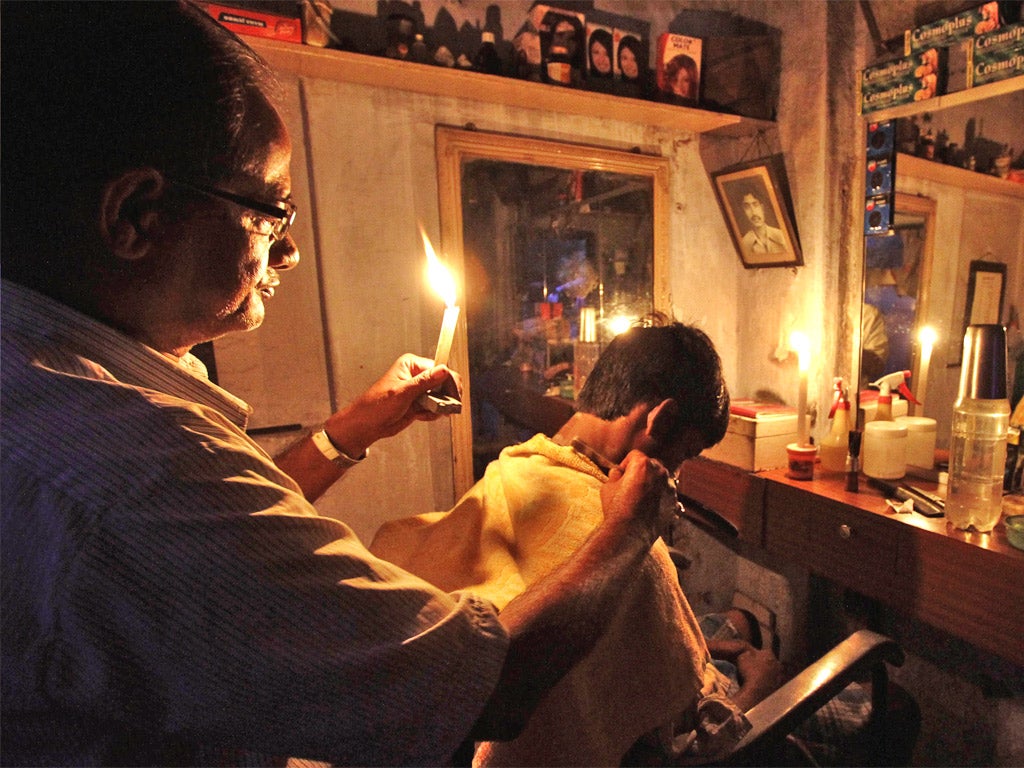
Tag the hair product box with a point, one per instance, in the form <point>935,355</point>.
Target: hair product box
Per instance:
<point>757,436</point>
<point>903,81</point>
<point>878,214</point>
<point>677,69</point>
<point>602,69</point>
<point>632,71</point>
<point>879,175</point>
<point>245,21</point>
<point>997,56</point>
<point>976,21</point>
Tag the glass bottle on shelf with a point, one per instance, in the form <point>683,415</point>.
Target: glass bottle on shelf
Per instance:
<point>487,59</point>
<point>419,51</point>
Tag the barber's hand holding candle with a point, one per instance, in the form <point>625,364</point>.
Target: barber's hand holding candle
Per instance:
<point>443,283</point>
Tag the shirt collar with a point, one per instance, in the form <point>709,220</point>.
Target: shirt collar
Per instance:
<point>44,320</point>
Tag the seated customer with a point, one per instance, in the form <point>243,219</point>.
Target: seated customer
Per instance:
<point>656,389</point>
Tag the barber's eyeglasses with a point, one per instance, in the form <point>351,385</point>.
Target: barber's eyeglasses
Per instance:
<point>278,218</point>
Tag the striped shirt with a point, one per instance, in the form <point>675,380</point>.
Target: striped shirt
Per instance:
<point>166,586</point>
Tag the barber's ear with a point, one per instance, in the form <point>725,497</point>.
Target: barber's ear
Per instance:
<point>127,215</point>
<point>661,419</point>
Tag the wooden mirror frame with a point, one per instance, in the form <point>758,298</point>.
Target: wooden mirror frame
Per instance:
<point>455,146</point>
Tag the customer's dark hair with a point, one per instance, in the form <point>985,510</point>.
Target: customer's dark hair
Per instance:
<point>655,361</point>
<point>91,89</point>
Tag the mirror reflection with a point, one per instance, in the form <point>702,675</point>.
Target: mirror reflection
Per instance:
<point>897,267</point>
<point>559,251</point>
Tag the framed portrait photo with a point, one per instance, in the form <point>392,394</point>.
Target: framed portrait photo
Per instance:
<point>755,201</point>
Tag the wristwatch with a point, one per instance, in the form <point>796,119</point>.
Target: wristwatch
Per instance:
<point>330,451</point>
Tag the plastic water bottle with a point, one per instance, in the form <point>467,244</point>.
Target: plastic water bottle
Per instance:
<point>981,420</point>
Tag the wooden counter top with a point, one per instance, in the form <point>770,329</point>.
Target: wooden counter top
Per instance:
<point>871,500</point>
<point>968,584</point>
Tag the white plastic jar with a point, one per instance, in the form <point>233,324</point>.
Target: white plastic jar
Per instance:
<point>920,440</point>
<point>884,450</point>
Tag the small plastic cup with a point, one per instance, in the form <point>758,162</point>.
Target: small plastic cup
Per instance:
<point>801,461</point>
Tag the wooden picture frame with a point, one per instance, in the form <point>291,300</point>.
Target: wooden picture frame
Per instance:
<point>755,201</point>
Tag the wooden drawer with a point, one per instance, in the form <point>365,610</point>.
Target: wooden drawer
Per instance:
<point>851,546</point>
<point>965,589</point>
<point>729,492</point>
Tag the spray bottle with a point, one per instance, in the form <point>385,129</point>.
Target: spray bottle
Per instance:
<point>835,445</point>
<point>896,380</point>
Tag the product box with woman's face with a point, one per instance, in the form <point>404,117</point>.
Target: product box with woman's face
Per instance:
<point>677,68</point>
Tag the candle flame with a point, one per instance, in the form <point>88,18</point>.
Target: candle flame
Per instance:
<point>619,324</point>
<point>800,344</point>
<point>927,336</point>
<point>438,275</point>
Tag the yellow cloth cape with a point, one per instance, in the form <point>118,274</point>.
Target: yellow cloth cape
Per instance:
<point>533,508</point>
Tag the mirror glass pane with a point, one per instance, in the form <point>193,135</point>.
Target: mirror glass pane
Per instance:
<point>896,268</point>
<point>554,257</point>
<point>560,246</point>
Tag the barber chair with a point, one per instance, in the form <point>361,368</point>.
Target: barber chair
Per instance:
<point>889,735</point>
<point>887,739</point>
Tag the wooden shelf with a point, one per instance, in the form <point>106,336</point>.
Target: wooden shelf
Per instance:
<point>929,170</point>
<point>361,69</point>
<point>968,96</point>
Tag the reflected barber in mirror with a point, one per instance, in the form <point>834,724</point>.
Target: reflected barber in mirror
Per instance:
<point>175,597</point>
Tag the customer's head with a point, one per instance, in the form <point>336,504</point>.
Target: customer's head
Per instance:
<point>123,124</point>
<point>651,363</point>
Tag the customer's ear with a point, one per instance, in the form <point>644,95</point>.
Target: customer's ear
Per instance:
<point>127,216</point>
<point>661,420</point>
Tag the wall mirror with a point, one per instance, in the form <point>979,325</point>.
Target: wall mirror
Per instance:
<point>559,246</point>
<point>897,277</point>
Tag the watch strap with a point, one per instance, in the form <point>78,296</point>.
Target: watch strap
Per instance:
<point>330,451</point>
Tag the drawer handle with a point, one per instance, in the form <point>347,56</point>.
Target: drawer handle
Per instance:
<point>845,531</point>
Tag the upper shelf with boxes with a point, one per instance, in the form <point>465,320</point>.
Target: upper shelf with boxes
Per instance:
<point>960,74</point>
<point>974,55</point>
<point>561,61</point>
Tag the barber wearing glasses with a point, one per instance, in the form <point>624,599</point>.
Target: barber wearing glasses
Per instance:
<point>170,595</point>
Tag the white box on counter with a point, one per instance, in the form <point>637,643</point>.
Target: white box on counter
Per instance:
<point>757,436</point>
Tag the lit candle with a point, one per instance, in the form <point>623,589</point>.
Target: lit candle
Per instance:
<point>926,336</point>
<point>799,343</point>
<point>443,283</point>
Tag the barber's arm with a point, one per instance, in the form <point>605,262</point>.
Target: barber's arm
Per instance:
<point>385,409</point>
<point>556,622</point>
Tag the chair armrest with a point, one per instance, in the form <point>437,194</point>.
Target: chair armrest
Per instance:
<point>779,713</point>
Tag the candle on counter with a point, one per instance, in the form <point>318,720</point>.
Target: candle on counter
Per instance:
<point>926,336</point>
<point>443,283</point>
<point>800,344</point>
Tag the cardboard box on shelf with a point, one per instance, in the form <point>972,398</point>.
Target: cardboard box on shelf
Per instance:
<point>678,68</point>
<point>757,436</point>
<point>996,56</point>
<point>246,21</point>
<point>904,80</point>
<point>975,21</point>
